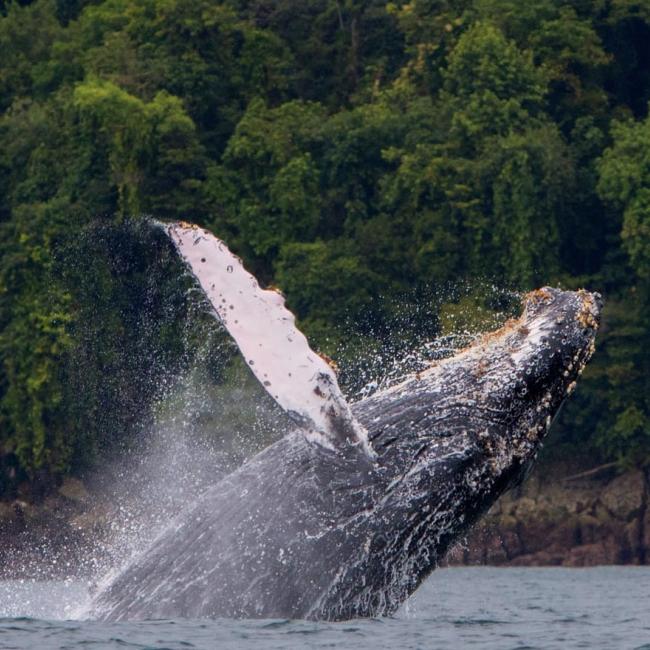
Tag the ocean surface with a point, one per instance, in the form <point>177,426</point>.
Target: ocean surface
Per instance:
<point>487,608</point>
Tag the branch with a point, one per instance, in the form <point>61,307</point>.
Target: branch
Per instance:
<point>590,472</point>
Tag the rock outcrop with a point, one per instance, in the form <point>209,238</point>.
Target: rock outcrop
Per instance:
<point>64,535</point>
<point>584,520</point>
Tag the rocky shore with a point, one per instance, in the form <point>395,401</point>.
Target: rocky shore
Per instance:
<point>67,534</point>
<point>587,519</point>
<point>553,519</point>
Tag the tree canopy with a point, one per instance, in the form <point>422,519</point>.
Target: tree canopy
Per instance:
<point>360,155</point>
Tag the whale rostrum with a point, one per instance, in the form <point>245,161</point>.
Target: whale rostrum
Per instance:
<point>331,525</point>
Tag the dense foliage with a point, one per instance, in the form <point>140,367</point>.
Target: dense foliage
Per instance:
<point>352,151</point>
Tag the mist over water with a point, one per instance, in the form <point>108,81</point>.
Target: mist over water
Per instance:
<point>202,430</point>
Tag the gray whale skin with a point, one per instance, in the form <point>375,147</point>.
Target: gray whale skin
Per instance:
<point>308,531</point>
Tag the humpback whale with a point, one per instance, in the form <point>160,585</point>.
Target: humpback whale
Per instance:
<point>348,513</point>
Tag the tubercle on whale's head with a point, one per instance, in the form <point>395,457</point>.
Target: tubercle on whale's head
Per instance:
<point>538,359</point>
<point>559,330</point>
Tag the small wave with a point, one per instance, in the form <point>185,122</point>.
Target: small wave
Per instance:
<point>483,608</point>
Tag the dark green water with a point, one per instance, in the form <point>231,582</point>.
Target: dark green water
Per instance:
<point>504,609</point>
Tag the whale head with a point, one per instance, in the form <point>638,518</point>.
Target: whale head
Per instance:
<point>501,393</point>
<point>525,371</point>
<point>452,439</point>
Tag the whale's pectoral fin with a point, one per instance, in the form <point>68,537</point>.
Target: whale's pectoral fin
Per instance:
<point>298,379</point>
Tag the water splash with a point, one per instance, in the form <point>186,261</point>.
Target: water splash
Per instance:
<point>423,328</point>
<point>214,416</point>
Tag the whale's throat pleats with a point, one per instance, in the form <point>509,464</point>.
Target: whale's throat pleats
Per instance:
<point>278,354</point>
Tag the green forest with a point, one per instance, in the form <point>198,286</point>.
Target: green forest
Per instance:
<point>358,154</point>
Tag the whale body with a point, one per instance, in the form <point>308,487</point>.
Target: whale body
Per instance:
<point>320,527</point>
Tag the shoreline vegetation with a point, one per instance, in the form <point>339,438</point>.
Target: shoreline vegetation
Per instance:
<point>401,171</point>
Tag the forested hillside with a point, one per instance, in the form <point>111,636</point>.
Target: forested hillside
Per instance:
<point>356,153</point>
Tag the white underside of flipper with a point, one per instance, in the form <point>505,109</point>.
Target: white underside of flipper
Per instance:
<point>297,378</point>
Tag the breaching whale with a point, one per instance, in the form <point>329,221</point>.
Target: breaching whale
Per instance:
<point>346,515</point>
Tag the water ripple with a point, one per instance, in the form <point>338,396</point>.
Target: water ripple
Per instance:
<point>482,608</point>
